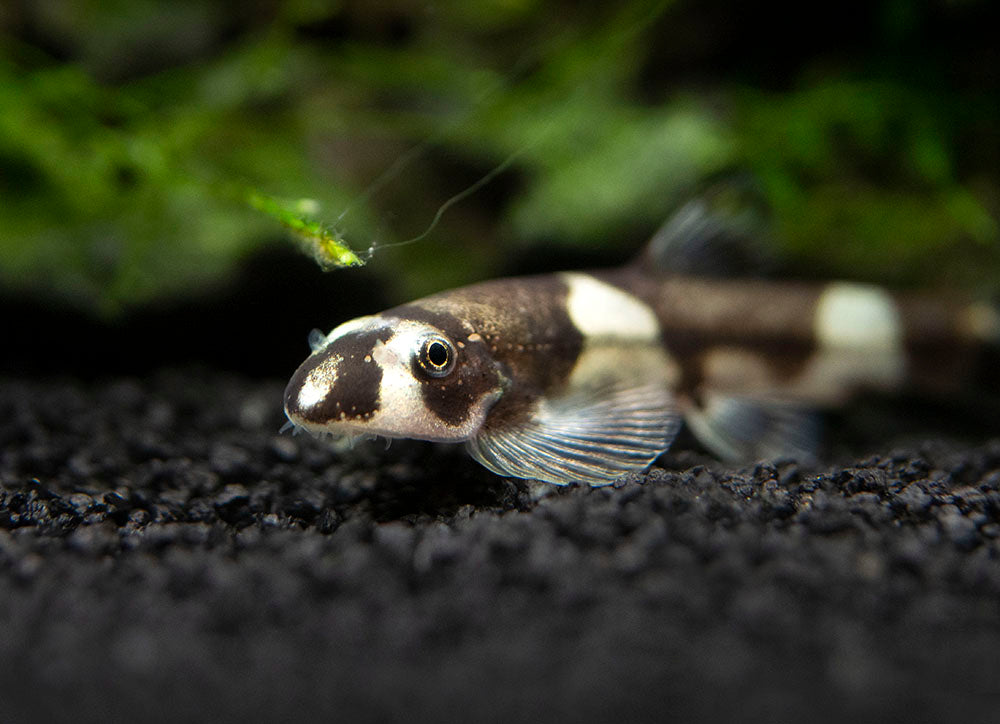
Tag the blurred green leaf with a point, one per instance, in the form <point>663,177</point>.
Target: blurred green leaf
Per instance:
<point>123,160</point>
<point>861,177</point>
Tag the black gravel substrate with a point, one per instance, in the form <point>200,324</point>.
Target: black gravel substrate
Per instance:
<point>167,555</point>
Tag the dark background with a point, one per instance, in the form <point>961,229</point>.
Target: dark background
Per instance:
<point>166,554</point>
<point>868,127</point>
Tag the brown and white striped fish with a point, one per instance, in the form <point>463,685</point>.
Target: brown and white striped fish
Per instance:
<point>584,377</point>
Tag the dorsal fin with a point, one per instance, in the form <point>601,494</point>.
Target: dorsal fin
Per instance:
<point>718,233</point>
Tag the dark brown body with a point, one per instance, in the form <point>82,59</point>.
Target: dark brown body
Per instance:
<point>776,321</point>
<point>586,376</point>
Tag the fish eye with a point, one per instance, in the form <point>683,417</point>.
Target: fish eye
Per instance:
<point>436,356</point>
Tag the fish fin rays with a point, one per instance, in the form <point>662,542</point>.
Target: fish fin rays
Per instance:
<point>743,428</point>
<point>717,234</point>
<point>613,418</point>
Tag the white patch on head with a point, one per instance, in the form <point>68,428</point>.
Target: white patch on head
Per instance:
<point>857,315</point>
<point>860,336</point>
<point>355,325</point>
<point>601,310</point>
<point>318,383</point>
<point>402,411</point>
<point>401,403</point>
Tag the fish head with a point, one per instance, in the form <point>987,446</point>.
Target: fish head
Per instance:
<point>394,377</point>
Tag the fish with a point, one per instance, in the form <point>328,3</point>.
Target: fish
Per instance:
<point>587,376</point>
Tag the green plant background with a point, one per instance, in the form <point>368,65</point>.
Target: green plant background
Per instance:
<point>128,129</point>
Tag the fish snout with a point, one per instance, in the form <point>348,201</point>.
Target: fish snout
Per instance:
<point>308,394</point>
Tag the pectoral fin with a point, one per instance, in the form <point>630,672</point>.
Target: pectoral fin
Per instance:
<point>745,429</point>
<point>615,416</point>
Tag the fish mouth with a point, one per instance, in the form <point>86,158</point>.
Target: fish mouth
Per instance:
<point>325,428</point>
<point>340,441</point>
<point>336,430</point>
